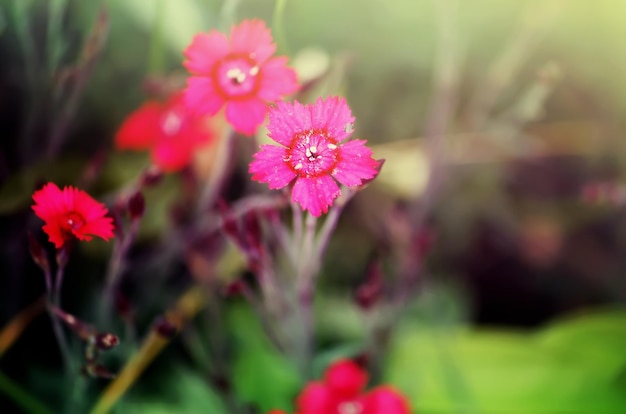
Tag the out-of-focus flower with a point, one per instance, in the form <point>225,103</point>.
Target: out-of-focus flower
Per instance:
<point>71,213</point>
<point>168,129</point>
<point>238,72</point>
<point>314,152</point>
<point>342,392</point>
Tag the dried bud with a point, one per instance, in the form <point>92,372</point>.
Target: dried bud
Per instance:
<point>106,341</point>
<point>97,371</point>
<point>38,253</point>
<point>234,288</point>
<point>151,176</point>
<point>63,254</point>
<point>252,230</point>
<point>122,305</point>
<point>370,292</point>
<point>82,329</point>
<point>423,241</point>
<point>136,206</point>
<point>165,328</point>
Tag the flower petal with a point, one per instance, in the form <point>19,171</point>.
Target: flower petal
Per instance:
<point>252,37</point>
<point>334,115</point>
<point>141,128</point>
<point>101,227</point>
<point>287,119</point>
<point>356,164</point>
<point>173,154</point>
<point>204,51</point>
<point>315,194</point>
<point>201,96</point>
<point>315,398</point>
<point>246,116</point>
<point>385,400</point>
<point>278,80</point>
<point>345,378</point>
<point>269,167</point>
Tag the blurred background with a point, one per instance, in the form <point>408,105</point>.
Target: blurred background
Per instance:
<point>501,125</point>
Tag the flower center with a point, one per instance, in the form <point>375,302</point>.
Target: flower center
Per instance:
<point>237,76</point>
<point>350,407</point>
<point>312,153</point>
<point>71,221</point>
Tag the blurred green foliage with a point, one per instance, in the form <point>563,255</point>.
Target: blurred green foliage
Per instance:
<point>576,365</point>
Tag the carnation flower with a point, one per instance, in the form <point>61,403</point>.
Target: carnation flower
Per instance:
<point>341,392</point>
<point>238,72</point>
<point>313,152</point>
<point>71,213</point>
<point>168,129</point>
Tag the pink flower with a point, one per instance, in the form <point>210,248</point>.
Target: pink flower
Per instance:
<point>238,72</point>
<point>342,391</point>
<point>168,129</point>
<point>71,213</point>
<point>314,152</point>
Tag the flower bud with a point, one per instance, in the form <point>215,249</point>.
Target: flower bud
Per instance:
<point>136,206</point>
<point>38,253</point>
<point>165,328</point>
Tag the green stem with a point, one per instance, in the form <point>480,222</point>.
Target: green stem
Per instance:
<point>278,26</point>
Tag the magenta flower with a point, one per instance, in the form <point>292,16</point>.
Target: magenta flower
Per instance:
<point>238,72</point>
<point>313,152</point>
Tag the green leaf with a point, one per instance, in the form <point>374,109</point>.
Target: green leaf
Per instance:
<point>185,392</point>
<point>572,366</point>
<point>261,375</point>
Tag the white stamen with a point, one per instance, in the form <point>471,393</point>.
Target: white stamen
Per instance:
<point>171,124</point>
<point>298,166</point>
<point>254,70</point>
<point>236,74</point>
<point>313,149</point>
<point>350,408</point>
<point>332,146</point>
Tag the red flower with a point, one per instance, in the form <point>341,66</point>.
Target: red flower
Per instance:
<point>170,131</point>
<point>238,72</point>
<point>71,213</point>
<point>341,392</point>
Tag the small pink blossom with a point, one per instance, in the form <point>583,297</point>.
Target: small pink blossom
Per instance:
<point>238,72</point>
<point>314,152</point>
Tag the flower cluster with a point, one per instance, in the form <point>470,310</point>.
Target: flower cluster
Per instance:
<point>314,152</point>
<point>238,72</point>
<point>342,392</point>
<point>71,213</point>
<point>168,129</point>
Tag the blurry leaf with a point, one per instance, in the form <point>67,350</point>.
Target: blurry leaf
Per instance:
<point>184,392</point>
<point>261,375</point>
<point>184,19</point>
<point>21,397</point>
<point>16,192</point>
<point>569,367</point>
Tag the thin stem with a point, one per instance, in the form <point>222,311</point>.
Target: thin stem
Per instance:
<point>330,224</point>
<point>54,300</point>
<point>297,222</point>
<point>219,172</point>
<point>278,23</point>
<point>306,274</point>
<point>116,268</point>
